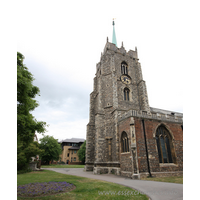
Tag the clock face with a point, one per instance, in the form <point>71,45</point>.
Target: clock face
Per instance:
<point>126,79</point>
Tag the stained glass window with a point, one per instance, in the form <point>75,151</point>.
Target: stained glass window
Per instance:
<point>158,147</point>
<point>163,141</point>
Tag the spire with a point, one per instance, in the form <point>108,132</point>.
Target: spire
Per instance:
<point>114,40</point>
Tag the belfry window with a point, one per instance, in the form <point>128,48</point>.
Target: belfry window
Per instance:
<point>124,142</point>
<point>126,94</point>
<point>124,68</point>
<point>163,141</point>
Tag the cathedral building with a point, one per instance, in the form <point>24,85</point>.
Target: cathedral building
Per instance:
<point>125,136</point>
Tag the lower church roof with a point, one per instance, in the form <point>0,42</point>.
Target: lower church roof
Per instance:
<point>166,112</point>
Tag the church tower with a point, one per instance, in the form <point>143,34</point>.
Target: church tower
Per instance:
<point>116,140</point>
<point>118,87</point>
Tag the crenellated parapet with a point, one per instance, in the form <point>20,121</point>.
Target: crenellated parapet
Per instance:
<point>112,47</point>
<point>121,50</point>
<point>155,114</point>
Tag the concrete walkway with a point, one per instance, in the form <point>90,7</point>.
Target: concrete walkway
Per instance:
<point>155,190</point>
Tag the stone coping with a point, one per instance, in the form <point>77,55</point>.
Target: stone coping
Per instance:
<point>177,118</point>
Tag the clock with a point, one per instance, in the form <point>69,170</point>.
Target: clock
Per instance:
<point>125,79</point>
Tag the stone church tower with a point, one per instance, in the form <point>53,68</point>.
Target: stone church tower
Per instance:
<point>124,135</point>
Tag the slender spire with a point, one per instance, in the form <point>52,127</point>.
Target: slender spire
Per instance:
<point>114,40</point>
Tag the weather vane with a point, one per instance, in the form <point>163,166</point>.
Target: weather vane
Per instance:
<point>113,21</point>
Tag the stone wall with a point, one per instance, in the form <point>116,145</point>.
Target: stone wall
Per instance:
<point>126,162</point>
<point>161,174</point>
<point>107,170</point>
<point>90,145</point>
<point>126,159</point>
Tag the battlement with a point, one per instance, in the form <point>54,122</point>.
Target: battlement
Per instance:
<point>156,114</point>
<point>121,50</point>
<point>112,47</point>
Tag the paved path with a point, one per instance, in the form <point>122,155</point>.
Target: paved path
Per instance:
<point>155,190</point>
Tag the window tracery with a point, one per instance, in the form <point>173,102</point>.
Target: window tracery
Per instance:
<point>126,94</point>
<point>124,68</point>
<point>124,143</point>
<point>163,141</point>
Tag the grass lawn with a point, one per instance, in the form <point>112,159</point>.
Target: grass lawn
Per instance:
<point>172,179</point>
<point>62,166</point>
<point>86,188</point>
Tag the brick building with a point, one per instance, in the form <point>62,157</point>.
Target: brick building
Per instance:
<point>126,136</point>
<point>70,148</point>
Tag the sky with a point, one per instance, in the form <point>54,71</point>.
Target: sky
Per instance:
<point>62,42</point>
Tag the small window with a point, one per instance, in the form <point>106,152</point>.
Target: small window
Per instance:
<point>124,68</point>
<point>126,94</point>
<point>74,151</point>
<point>74,158</point>
<point>124,142</point>
<point>68,155</point>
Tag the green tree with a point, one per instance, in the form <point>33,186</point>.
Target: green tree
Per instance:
<point>27,125</point>
<point>81,152</point>
<point>52,149</point>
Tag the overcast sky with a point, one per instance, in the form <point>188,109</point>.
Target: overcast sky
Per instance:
<point>62,41</point>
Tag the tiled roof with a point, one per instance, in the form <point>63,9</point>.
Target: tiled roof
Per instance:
<point>73,140</point>
<point>166,112</point>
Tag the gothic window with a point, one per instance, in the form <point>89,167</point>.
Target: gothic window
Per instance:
<point>126,94</point>
<point>124,68</point>
<point>124,142</point>
<point>163,141</point>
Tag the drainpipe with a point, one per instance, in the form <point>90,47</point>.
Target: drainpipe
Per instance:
<point>145,140</point>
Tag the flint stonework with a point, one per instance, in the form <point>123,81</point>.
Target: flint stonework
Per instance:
<point>112,111</point>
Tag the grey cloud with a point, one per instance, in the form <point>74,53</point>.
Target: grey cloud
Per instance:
<point>62,98</point>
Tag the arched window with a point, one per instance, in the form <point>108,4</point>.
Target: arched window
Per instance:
<point>163,140</point>
<point>124,142</point>
<point>124,68</point>
<point>126,94</point>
